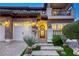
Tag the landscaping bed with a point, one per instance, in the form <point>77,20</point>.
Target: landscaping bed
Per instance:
<point>67,51</point>
<point>37,48</point>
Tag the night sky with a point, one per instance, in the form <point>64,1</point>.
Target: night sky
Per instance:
<point>76,6</point>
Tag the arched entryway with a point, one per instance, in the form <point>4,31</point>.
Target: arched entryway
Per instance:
<point>42,30</point>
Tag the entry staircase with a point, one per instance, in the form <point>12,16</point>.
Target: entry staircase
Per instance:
<point>47,49</point>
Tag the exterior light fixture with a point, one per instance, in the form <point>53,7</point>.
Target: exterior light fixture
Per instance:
<point>43,12</point>
<point>7,23</point>
<point>33,24</point>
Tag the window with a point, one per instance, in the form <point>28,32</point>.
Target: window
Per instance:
<point>57,32</point>
<point>60,26</point>
<point>54,26</point>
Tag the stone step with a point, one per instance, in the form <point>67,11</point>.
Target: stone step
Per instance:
<point>44,53</point>
<point>45,44</point>
<point>52,48</point>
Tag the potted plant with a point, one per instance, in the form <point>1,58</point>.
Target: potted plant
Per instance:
<point>30,41</point>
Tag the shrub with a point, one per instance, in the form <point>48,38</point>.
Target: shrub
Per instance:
<point>63,38</point>
<point>71,31</point>
<point>68,50</point>
<point>38,47</point>
<point>57,40</point>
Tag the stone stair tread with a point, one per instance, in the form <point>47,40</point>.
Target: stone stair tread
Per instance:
<point>44,53</point>
<point>45,44</point>
<point>51,48</point>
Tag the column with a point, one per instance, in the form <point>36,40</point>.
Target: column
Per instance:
<point>49,10</point>
<point>8,28</point>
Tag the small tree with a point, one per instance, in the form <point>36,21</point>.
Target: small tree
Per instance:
<point>71,31</point>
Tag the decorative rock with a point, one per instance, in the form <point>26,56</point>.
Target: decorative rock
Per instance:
<point>76,51</point>
<point>73,43</point>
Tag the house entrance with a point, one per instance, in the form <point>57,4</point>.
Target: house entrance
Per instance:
<point>42,30</point>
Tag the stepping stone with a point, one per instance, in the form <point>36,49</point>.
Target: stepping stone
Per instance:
<point>44,53</point>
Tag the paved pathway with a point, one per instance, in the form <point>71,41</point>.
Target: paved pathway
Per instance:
<point>47,50</point>
<point>14,48</point>
<point>44,53</point>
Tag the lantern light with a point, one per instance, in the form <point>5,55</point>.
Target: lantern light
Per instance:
<point>7,23</point>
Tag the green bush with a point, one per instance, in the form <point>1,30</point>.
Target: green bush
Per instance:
<point>38,47</point>
<point>68,51</point>
<point>57,40</point>
<point>63,38</point>
<point>71,31</point>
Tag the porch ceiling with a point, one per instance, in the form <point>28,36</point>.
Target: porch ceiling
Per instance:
<point>60,5</point>
<point>60,20</point>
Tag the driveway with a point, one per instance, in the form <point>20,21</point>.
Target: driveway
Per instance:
<point>14,48</point>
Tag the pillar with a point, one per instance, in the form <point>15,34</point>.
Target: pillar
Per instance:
<point>8,28</point>
<point>49,9</point>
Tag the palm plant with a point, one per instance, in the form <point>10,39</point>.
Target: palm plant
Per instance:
<point>30,41</point>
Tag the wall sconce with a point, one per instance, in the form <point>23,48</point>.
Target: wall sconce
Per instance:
<point>33,23</point>
<point>7,23</point>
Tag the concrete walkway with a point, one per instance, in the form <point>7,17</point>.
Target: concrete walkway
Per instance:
<point>44,53</point>
<point>14,48</point>
<point>47,49</point>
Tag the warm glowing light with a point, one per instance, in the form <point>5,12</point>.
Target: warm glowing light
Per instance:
<point>27,24</point>
<point>60,26</point>
<point>33,23</point>
<point>42,22</point>
<point>7,23</point>
<point>22,24</point>
<point>54,26</point>
<point>57,26</point>
<point>15,24</point>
